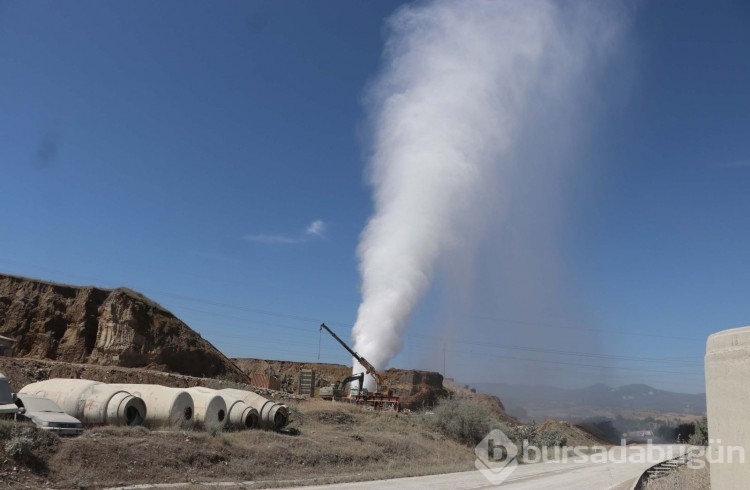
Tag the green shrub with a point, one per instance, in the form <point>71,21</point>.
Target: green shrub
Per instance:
<point>21,444</point>
<point>549,438</point>
<point>534,436</point>
<point>462,420</point>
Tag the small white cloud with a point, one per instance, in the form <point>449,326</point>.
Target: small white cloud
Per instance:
<point>317,228</point>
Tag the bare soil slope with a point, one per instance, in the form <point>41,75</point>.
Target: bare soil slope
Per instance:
<point>107,327</point>
<point>492,402</point>
<point>574,435</point>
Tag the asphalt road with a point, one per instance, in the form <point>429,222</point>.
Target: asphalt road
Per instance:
<point>568,475</point>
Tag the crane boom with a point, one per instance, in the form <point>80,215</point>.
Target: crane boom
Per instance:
<point>361,360</point>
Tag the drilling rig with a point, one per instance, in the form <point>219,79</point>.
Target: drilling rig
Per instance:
<point>382,398</point>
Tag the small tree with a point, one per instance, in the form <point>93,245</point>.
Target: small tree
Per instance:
<point>535,436</point>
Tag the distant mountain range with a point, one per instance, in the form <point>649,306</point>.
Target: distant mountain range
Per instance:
<point>544,401</point>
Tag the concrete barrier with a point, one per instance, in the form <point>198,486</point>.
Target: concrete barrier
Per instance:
<point>91,402</point>
<point>727,367</point>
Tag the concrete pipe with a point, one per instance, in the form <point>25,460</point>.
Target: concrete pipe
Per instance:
<point>239,415</point>
<point>91,402</point>
<point>167,407</point>
<point>272,415</point>
<point>728,398</point>
<point>64,392</point>
<point>210,408</point>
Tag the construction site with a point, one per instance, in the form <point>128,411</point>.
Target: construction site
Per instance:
<point>151,401</point>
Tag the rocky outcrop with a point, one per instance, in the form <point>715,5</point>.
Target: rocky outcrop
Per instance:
<point>116,327</point>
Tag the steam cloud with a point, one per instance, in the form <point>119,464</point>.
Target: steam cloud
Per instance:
<point>448,111</point>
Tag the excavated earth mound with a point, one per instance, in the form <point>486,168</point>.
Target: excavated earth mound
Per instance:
<point>118,327</point>
<point>22,371</point>
<point>417,389</point>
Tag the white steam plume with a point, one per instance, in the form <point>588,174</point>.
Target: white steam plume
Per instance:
<point>447,110</point>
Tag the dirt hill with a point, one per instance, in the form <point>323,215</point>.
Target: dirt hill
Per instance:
<point>493,403</point>
<point>116,327</point>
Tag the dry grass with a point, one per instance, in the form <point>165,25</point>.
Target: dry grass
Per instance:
<point>684,478</point>
<point>326,442</point>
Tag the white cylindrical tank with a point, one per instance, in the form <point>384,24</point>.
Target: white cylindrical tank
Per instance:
<point>92,402</point>
<point>727,367</point>
<point>167,407</point>
<point>210,408</point>
<point>272,415</point>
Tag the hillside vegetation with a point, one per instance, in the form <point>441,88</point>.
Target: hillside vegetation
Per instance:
<point>325,442</point>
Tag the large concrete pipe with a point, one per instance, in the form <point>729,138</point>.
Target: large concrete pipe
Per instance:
<point>239,415</point>
<point>272,415</point>
<point>91,402</point>
<point>728,399</point>
<point>167,407</point>
<point>210,408</point>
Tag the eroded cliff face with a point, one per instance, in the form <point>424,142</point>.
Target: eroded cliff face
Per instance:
<point>108,327</point>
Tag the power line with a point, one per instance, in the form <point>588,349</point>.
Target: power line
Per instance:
<point>621,332</point>
<point>480,344</point>
<point>572,353</point>
<point>499,320</point>
<point>483,344</point>
<point>589,329</point>
<point>597,366</point>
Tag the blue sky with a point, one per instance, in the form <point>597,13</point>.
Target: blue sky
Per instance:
<point>185,149</point>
